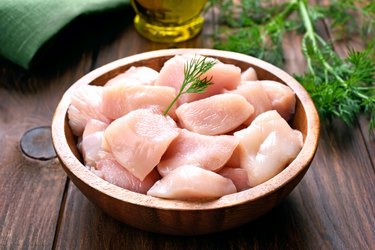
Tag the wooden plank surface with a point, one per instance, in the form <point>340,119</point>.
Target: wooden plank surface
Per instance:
<point>332,208</point>
<point>31,190</point>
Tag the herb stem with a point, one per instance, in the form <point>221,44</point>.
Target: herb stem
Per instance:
<point>307,22</point>
<point>288,10</point>
<point>314,38</point>
<point>172,103</point>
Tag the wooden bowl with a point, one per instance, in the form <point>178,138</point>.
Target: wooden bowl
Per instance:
<point>183,217</point>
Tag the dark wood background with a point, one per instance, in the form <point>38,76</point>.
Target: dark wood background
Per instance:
<point>332,207</point>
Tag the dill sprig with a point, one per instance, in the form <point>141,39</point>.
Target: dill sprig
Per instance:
<point>193,81</point>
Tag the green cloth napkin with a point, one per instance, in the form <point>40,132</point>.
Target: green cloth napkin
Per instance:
<point>26,25</point>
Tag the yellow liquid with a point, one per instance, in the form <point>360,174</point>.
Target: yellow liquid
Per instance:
<point>168,20</point>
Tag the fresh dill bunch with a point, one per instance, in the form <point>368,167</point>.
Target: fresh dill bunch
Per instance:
<point>345,98</point>
<point>193,81</point>
<point>340,88</point>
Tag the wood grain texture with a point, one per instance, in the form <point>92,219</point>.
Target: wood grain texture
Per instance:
<point>96,230</point>
<point>346,183</point>
<point>31,190</point>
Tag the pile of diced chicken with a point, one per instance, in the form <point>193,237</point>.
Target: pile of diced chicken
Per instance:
<point>232,137</point>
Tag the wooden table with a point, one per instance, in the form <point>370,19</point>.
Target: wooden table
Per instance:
<point>332,208</point>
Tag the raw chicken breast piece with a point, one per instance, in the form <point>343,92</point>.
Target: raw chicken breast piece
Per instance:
<point>267,146</point>
<point>139,139</point>
<point>135,75</point>
<point>113,172</point>
<point>256,95</point>
<point>93,126</point>
<point>210,152</point>
<point>91,146</point>
<point>223,76</point>
<point>86,104</point>
<point>172,72</point>
<point>191,182</point>
<point>249,75</point>
<point>91,143</point>
<point>234,161</point>
<point>238,177</point>
<point>281,96</point>
<point>120,99</point>
<point>214,115</point>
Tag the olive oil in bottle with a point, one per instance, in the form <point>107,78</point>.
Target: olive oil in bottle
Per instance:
<point>168,20</point>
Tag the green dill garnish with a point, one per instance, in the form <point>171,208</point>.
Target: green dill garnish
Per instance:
<point>193,71</point>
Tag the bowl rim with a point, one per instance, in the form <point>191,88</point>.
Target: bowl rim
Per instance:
<point>73,166</point>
